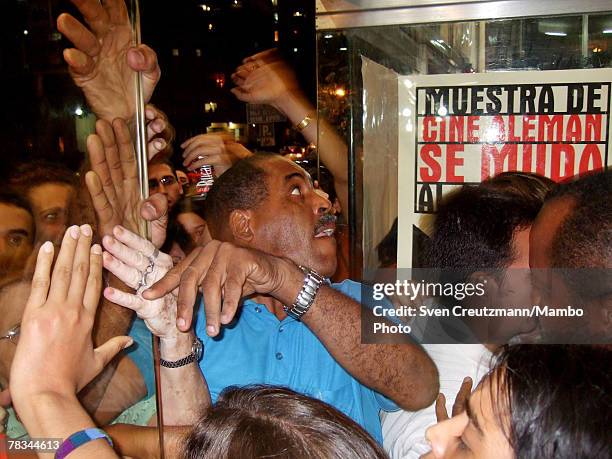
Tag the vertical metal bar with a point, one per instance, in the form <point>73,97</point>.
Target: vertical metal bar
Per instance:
<point>317,105</point>
<point>585,38</point>
<point>144,229</point>
<point>354,270</point>
<point>482,46</point>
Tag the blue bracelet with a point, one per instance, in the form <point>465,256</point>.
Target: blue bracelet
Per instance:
<point>79,439</point>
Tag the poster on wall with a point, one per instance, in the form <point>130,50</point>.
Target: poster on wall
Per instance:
<point>457,130</point>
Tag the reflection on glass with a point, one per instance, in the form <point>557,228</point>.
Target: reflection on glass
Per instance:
<point>46,157</point>
<point>542,43</point>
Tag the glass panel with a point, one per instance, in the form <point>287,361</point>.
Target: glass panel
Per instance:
<point>368,116</point>
<point>46,121</point>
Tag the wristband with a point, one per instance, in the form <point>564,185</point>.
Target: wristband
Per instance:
<point>79,439</point>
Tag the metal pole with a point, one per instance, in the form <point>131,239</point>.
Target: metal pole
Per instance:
<point>585,38</point>
<point>144,227</point>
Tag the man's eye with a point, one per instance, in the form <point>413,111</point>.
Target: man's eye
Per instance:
<point>16,241</point>
<point>52,216</point>
<point>296,191</point>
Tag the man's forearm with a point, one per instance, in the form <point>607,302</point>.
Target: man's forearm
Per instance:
<point>402,372</point>
<point>112,320</point>
<point>184,390</point>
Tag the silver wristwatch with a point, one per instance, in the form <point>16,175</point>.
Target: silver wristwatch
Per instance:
<point>197,351</point>
<point>307,295</point>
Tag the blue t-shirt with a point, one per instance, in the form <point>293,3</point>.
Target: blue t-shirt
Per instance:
<point>257,348</point>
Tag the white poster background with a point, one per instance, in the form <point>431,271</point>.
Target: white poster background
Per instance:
<point>468,158</point>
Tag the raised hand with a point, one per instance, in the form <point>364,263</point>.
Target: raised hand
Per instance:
<point>225,273</point>
<point>55,353</point>
<point>220,151</point>
<point>264,78</point>
<point>137,263</point>
<point>113,184</point>
<point>460,400</point>
<point>158,130</point>
<point>103,62</point>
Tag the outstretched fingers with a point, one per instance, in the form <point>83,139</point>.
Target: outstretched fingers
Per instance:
<point>94,14</point>
<point>80,267</point>
<point>62,271</point>
<point>42,277</point>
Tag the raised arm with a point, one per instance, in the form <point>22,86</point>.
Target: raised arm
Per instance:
<point>114,189</point>
<point>226,273</point>
<point>104,62</point>
<point>55,356</point>
<point>128,256</point>
<point>266,79</point>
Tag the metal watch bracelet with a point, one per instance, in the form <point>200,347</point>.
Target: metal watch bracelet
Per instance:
<point>306,296</point>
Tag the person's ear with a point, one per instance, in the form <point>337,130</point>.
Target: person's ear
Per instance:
<point>240,224</point>
<point>489,284</point>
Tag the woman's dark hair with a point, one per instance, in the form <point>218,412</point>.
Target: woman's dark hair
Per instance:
<point>268,421</point>
<point>387,248</point>
<point>559,398</point>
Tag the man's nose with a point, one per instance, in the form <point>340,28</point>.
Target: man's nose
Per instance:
<point>322,205</point>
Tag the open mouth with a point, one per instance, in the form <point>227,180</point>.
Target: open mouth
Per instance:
<point>327,232</point>
<point>326,226</point>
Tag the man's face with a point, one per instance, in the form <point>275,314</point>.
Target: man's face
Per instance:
<point>50,203</point>
<point>549,288</point>
<point>162,180</point>
<point>16,238</point>
<point>515,290</point>
<point>295,221</point>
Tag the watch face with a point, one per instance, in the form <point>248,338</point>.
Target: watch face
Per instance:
<point>197,349</point>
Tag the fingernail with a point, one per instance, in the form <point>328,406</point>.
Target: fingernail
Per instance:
<point>96,249</point>
<point>47,247</point>
<point>118,230</point>
<point>140,59</point>
<point>128,344</point>
<point>86,230</point>
<point>107,240</point>
<point>109,290</point>
<point>181,322</point>
<point>159,144</point>
<point>211,329</point>
<point>150,208</point>
<point>74,232</point>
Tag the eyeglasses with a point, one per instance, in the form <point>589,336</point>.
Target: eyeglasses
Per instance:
<point>166,180</point>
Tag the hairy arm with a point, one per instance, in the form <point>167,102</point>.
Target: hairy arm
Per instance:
<point>402,372</point>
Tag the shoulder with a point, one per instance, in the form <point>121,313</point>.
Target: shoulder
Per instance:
<point>349,288</point>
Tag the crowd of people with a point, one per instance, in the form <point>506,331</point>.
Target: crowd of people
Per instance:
<point>261,354</point>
